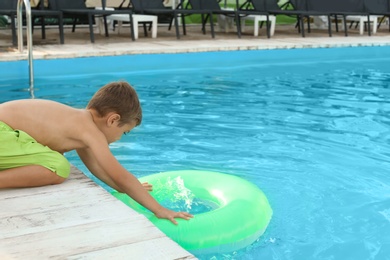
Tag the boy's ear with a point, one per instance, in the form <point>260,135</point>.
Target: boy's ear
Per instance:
<point>113,118</point>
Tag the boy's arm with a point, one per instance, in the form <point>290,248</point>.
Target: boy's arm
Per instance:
<point>104,165</point>
<point>94,168</point>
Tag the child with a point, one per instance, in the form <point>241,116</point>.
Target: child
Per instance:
<point>34,134</point>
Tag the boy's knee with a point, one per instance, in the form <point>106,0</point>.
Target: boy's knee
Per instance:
<point>51,177</point>
<point>57,180</point>
<point>63,169</point>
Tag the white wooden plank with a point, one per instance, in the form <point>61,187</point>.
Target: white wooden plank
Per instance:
<point>49,201</point>
<point>26,223</point>
<point>79,239</point>
<point>159,248</point>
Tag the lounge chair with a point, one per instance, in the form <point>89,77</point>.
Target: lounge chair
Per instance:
<point>378,7</point>
<point>301,9</point>
<point>329,8</point>
<point>8,8</point>
<point>338,8</point>
<point>321,8</point>
<point>362,21</point>
<point>260,17</point>
<point>137,19</point>
<point>156,7</point>
<point>210,8</point>
<point>77,9</point>
<point>293,8</point>
<point>258,11</point>
<point>43,12</point>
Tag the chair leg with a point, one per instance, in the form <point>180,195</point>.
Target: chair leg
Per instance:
<point>368,25</point>
<point>273,25</point>
<point>33,24</point>
<point>380,21</point>
<point>91,35</point>
<point>375,25</point>
<point>302,26</point>
<point>238,25</point>
<point>13,29</point>
<point>211,25</point>
<point>145,30</point>
<point>132,27</point>
<point>61,28</point>
<point>298,24</point>
<point>74,24</point>
<point>204,23</point>
<point>268,27</point>
<point>345,25</point>
<point>329,26</point>
<point>337,23</point>
<point>308,24</point>
<point>170,24</point>
<point>388,18</point>
<point>177,25</point>
<point>43,28</point>
<point>362,26</point>
<point>183,23</point>
<point>105,25</point>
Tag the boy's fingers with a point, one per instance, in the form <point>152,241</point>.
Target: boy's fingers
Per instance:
<point>185,215</point>
<point>188,215</point>
<point>147,186</point>
<point>173,220</point>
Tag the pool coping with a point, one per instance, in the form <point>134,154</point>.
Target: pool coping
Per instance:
<point>167,45</point>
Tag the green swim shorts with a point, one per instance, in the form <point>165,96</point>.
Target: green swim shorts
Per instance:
<point>18,149</point>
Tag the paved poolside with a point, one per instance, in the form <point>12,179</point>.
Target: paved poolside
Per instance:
<point>78,219</point>
<point>286,37</point>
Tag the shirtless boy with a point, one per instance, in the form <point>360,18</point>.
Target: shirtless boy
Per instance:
<point>34,134</point>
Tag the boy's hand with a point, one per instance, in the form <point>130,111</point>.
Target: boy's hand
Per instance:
<point>147,186</point>
<point>171,215</point>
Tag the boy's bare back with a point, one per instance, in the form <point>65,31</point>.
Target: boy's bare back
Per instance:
<point>53,124</point>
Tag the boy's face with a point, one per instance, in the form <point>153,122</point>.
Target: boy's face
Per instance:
<point>115,132</point>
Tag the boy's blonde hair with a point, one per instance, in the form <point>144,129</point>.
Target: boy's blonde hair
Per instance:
<point>118,97</point>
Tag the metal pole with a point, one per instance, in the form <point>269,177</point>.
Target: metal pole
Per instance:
<point>20,25</point>
<point>29,39</point>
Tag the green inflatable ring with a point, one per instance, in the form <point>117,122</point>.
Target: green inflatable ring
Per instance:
<point>242,214</point>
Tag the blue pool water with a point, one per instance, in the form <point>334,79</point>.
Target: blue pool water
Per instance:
<point>309,127</point>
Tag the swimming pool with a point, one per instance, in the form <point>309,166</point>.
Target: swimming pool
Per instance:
<point>310,127</point>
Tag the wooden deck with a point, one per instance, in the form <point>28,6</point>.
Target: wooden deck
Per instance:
<point>77,220</point>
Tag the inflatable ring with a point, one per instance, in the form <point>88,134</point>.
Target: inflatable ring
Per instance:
<point>241,215</point>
